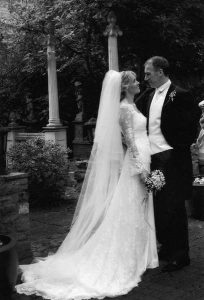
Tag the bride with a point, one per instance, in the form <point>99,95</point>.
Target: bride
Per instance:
<point>112,238</point>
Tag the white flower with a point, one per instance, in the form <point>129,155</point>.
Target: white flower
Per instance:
<point>172,95</point>
<point>155,181</point>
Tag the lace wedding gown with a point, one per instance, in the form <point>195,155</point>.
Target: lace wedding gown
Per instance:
<point>112,261</point>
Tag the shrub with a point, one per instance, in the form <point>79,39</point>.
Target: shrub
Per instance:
<point>46,164</point>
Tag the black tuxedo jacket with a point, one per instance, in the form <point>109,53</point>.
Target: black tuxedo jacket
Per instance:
<point>179,116</point>
<point>179,123</point>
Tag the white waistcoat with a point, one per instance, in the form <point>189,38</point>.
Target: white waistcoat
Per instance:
<point>157,140</point>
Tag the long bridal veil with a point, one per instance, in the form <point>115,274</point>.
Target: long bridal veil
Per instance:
<point>103,167</point>
<point>90,263</point>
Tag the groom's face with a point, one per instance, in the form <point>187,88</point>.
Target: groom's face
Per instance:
<point>152,75</point>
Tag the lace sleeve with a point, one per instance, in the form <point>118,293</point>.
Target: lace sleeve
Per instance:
<point>126,124</point>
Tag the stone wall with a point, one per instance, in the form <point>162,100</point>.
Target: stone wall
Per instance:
<point>14,212</point>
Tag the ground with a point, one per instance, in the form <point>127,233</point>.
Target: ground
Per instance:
<point>49,227</point>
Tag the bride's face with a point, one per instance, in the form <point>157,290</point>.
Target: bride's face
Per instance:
<point>133,86</point>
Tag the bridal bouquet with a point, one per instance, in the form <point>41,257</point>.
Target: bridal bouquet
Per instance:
<point>155,181</point>
<point>199,180</point>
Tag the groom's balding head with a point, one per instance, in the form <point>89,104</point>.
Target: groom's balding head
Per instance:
<point>159,62</point>
<point>156,71</point>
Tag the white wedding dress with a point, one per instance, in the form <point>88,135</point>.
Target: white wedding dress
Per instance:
<point>113,259</point>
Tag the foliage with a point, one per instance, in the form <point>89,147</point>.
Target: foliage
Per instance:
<point>150,27</point>
<point>47,166</point>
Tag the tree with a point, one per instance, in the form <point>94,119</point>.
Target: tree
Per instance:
<point>170,28</point>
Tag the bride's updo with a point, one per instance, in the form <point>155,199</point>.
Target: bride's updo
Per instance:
<point>126,79</point>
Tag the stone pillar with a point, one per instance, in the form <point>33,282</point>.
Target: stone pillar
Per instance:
<point>54,130</point>
<point>14,212</point>
<point>54,119</point>
<point>112,31</point>
<point>56,134</point>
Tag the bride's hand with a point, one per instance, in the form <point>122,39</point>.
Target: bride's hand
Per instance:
<point>144,175</point>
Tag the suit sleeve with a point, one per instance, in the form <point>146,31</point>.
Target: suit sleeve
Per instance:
<point>182,116</point>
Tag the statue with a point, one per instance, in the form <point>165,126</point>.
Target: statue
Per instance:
<point>112,29</point>
<point>112,32</point>
<point>12,119</point>
<point>201,105</point>
<point>29,109</point>
<point>200,143</point>
<point>79,116</point>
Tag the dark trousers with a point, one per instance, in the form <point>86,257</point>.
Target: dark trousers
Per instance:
<point>169,206</point>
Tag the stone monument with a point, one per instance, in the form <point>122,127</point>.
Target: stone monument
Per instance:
<point>81,145</point>
<point>54,130</point>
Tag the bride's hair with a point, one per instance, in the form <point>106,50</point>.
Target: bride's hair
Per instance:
<point>126,77</point>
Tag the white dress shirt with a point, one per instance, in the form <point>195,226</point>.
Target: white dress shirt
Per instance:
<point>157,140</point>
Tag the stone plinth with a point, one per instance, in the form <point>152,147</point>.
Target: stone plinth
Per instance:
<point>81,149</point>
<point>12,134</point>
<point>14,212</point>
<point>78,131</point>
<point>56,134</point>
<point>81,146</point>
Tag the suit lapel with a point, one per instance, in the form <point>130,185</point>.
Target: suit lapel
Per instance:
<point>166,101</point>
<point>167,98</point>
<point>149,102</point>
<point>148,108</point>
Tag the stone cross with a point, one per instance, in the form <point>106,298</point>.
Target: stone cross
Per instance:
<point>112,31</point>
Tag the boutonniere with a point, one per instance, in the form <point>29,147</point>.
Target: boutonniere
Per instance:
<point>172,95</point>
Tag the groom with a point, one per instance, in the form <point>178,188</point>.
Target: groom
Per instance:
<point>172,118</point>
